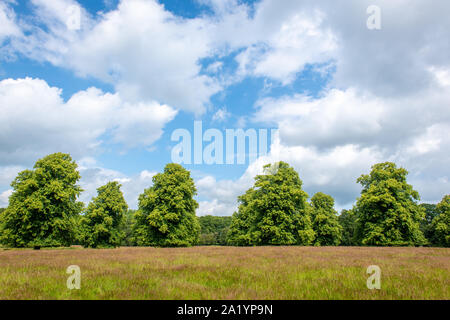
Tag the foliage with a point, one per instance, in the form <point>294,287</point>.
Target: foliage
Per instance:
<point>441,223</point>
<point>430,211</point>
<point>213,230</point>
<point>324,220</point>
<point>274,211</point>
<point>126,227</point>
<point>100,224</point>
<point>166,215</point>
<point>347,220</point>
<point>43,204</point>
<point>388,214</point>
<point>426,223</point>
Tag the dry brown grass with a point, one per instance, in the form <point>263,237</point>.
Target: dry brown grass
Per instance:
<point>226,273</point>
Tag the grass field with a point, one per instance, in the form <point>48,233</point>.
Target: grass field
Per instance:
<point>226,273</point>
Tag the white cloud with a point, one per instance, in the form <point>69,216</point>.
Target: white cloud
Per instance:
<point>146,52</point>
<point>298,41</point>
<point>132,185</point>
<point>442,75</point>
<point>4,198</point>
<point>219,198</point>
<point>146,175</point>
<point>8,173</point>
<point>163,64</point>
<point>429,141</point>
<point>340,117</point>
<point>392,61</point>
<point>215,67</point>
<point>278,37</point>
<point>214,208</point>
<point>221,115</point>
<point>35,121</point>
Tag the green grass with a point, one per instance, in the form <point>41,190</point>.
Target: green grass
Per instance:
<point>226,273</point>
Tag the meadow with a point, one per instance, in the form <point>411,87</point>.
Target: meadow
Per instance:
<point>226,273</point>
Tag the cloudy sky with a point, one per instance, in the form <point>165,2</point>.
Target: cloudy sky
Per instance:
<point>112,88</point>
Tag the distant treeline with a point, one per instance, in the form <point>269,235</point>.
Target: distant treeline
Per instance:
<point>44,211</point>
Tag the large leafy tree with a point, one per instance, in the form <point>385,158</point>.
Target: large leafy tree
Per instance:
<point>43,206</point>
<point>347,219</point>
<point>441,223</point>
<point>274,211</point>
<point>325,222</point>
<point>166,215</point>
<point>100,226</point>
<point>388,213</point>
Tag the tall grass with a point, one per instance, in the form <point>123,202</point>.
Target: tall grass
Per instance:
<point>226,273</point>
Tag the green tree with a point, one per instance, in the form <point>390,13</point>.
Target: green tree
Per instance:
<point>324,220</point>
<point>426,223</point>
<point>166,215</point>
<point>100,225</point>
<point>43,204</point>
<point>213,229</point>
<point>347,219</point>
<point>274,211</point>
<point>441,223</point>
<point>1,211</point>
<point>388,213</point>
<point>126,228</point>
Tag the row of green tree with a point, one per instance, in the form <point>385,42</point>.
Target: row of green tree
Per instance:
<point>44,211</point>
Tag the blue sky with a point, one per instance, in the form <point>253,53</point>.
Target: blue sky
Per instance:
<point>111,92</point>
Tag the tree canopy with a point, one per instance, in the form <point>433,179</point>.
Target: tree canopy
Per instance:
<point>166,215</point>
<point>100,225</point>
<point>441,223</point>
<point>274,211</point>
<point>388,213</point>
<point>324,220</point>
<point>426,223</point>
<point>44,211</point>
<point>43,205</point>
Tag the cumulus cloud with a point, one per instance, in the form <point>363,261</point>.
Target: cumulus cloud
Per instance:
<point>146,52</point>
<point>132,186</point>
<point>8,24</point>
<point>4,198</point>
<point>340,117</point>
<point>298,41</point>
<point>219,198</point>
<point>35,121</point>
<point>221,115</point>
<point>280,36</point>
